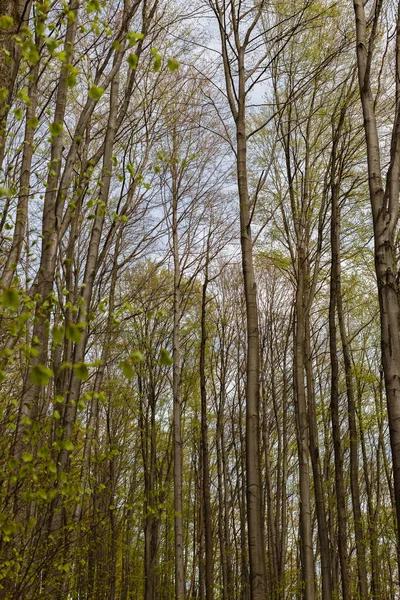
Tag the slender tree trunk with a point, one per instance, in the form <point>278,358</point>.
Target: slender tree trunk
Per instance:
<point>335,415</point>
<point>306,541</point>
<point>19,12</point>
<point>326,566</point>
<point>179,570</point>
<point>237,102</point>
<point>21,218</point>
<point>255,519</point>
<point>31,393</point>
<point>354,439</point>
<point>206,503</point>
<point>385,207</point>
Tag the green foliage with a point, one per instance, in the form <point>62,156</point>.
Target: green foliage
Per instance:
<point>40,374</point>
<point>132,61</point>
<point>33,122</point>
<point>56,129</point>
<point>19,113</point>
<point>6,22</point>
<point>95,92</point>
<point>157,60</point>
<point>30,52</point>
<point>127,369</point>
<point>27,457</point>
<point>73,331</point>
<point>127,365</point>
<point>165,358</point>
<point>134,37</point>
<point>5,192</point>
<point>72,76</point>
<point>93,6</point>
<point>81,371</point>
<point>10,298</point>
<point>173,64</point>
<point>58,334</point>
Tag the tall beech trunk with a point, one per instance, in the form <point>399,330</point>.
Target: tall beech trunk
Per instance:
<point>237,95</point>
<point>334,401</point>
<point>325,553</point>
<point>73,383</point>
<point>384,197</point>
<point>21,218</point>
<point>336,293</point>
<point>176,376</point>
<point>45,280</point>
<point>206,503</point>
<point>255,520</point>
<point>10,56</point>
<point>273,581</point>
<point>223,481</point>
<point>306,541</point>
<point>152,522</point>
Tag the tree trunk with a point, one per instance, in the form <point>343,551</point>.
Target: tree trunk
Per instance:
<point>335,416</point>
<point>306,541</point>
<point>385,207</point>
<point>179,570</point>
<point>19,12</point>
<point>255,521</point>
<point>206,504</point>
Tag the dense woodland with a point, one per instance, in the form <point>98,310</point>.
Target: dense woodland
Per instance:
<point>199,300</point>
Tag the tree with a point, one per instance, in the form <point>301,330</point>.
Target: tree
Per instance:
<point>384,197</point>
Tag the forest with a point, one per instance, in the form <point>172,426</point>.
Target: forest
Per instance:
<point>199,300</point>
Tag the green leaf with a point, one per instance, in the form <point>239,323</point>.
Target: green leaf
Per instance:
<point>127,369</point>
<point>93,5</point>
<point>12,464</point>
<point>5,192</point>
<point>51,44</point>
<point>44,452</point>
<point>133,61</point>
<point>31,54</point>
<point>133,37</point>
<point>27,457</point>
<point>165,358</point>
<point>62,56</point>
<point>33,122</point>
<point>52,468</point>
<point>10,298</point>
<point>23,95</point>
<point>40,374</point>
<point>95,92</point>
<point>173,64</point>
<point>81,371</point>
<point>71,78</point>
<point>68,445</point>
<point>157,63</point>
<point>57,335</point>
<point>73,333</point>
<point>6,22</point>
<point>56,129</point>
<point>19,113</point>
<point>137,356</point>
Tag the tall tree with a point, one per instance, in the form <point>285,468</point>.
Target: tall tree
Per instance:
<point>384,197</point>
<point>243,22</point>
